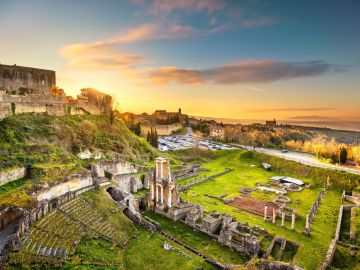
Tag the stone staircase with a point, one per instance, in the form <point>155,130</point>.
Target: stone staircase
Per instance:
<point>56,236</point>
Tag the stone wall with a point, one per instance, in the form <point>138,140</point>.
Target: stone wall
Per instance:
<point>355,198</point>
<point>31,103</point>
<point>338,226</point>
<point>162,130</point>
<point>130,182</point>
<point>9,215</point>
<point>12,175</point>
<point>329,255</point>
<point>72,183</point>
<point>12,78</point>
<point>113,167</point>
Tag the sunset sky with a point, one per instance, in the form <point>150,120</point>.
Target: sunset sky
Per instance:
<point>233,59</point>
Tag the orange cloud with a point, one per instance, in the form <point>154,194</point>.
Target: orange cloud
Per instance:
<point>154,31</point>
<point>98,55</point>
<point>240,72</point>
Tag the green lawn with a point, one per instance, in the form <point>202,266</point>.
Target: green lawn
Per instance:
<point>201,242</point>
<point>312,249</point>
<point>146,252</point>
<point>95,254</point>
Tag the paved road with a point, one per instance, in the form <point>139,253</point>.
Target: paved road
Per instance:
<point>303,158</point>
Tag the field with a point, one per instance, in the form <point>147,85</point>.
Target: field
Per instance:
<point>247,173</point>
<point>145,252</point>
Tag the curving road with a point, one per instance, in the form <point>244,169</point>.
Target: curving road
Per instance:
<point>303,158</point>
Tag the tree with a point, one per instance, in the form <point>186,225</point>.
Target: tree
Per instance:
<point>356,154</point>
<point>112,117</point>
<point>343,155</point>
<point>155,142</point>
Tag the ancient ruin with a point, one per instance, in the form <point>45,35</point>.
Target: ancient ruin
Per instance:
<point>32,90</point>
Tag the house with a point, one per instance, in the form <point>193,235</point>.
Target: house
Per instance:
<point>217,132</point>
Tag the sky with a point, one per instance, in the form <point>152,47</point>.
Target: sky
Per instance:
<point>229,59</point>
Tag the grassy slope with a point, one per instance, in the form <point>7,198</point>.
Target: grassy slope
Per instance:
<point>47,145</point>
<point>145,252</point>
<point>312,250</point>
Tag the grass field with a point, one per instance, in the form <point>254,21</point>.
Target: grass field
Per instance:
<point>312,249</point>
<point>145,252</point>
<point>95,254</point>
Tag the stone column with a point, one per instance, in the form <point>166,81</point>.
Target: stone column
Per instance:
<point>307,222</point>
<point>274,216</point>
<point>293,215</point>
<point>282,218</point>
<point>161,171</point>
<point>169,198</point>
<point>157,192</point>
<point>152,191</point>
<point>265,212</point>
<point>307,226</point>
<point>157,170</point>
<point>162,194</point>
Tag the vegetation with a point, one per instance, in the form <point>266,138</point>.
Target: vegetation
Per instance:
<point>152,137</point>
<point>136,128</point>
<point>146,252</point>
<point>247,173</point>
<point>29,139</point>
<point>48,146</point>
<point>172,119</point>
<point>320,176</point>
<point>201,242</point>
<point>95,254</point>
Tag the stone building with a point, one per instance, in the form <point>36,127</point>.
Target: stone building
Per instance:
<point>163,190</point>
<point>163,114</point>
<point>271,124</point>
<point>217,132</point>
<point>20,80</point>
<point>91,101</point>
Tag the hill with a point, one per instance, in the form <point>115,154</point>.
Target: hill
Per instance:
<point>48,147</point>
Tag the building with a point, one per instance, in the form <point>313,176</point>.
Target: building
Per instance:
<point>164,115</point>
<point>271,124</point>
<point>217,132</point>
<point>18,80</point>
<point>91,101</point>
<point>163,190</point>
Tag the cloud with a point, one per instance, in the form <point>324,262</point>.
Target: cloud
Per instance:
<point>252,71</point>
<point>154,31</point>
<point>169,6</point>
<point>107,53</point>
<point>98,55</point>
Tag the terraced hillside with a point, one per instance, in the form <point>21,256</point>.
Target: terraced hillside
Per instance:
<point>56,236</point>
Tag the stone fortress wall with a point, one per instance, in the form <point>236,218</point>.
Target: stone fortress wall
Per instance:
<point>32,90</point>
<point>15,77</point>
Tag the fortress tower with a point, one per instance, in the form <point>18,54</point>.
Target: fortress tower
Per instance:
<point>163,189</point>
